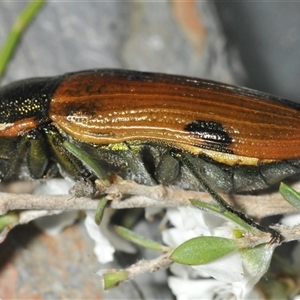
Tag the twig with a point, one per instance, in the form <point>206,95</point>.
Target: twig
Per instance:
<point>128,194</point>
<point>135,270</point>
<point>153,265</point>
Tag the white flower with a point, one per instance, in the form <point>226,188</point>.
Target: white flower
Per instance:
<point>103,248</point>
<point>55,224</point>
<point>106,241</point>
<point>291,219</point>
<point>234,274</point>
<point>186,289</point>
<point>54,186</point>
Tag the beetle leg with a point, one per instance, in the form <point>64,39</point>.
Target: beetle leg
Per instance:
<point>90,162</point>
<point>276,237</point>
<point>16,158</point>
<point>37,154</point>
<point>70,164</point>
<point>168,169</point>
<point>30,149</point>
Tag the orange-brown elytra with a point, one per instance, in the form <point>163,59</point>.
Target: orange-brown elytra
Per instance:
<point>130,122</point>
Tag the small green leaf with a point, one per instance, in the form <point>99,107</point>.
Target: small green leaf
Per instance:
<point>237,233</point>
<point>112,280</point>
<point>290,195</point>
<point>204,249</point>
<point>23,20</point>
<point>139,240</point>
<point>223,213</point>
<point>8,219</point>
<point>100,210</point>
<point>81,155</point>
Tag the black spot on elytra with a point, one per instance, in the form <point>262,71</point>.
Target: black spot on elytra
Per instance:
<point>212,133</point>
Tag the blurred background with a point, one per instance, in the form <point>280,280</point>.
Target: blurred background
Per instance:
<point>267,37</point>
<point>253,44</point>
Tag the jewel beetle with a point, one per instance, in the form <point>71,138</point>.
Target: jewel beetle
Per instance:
<point>131,123</point>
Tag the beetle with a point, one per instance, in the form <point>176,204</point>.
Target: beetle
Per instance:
<point>130,123</point>
<point>151,128</point>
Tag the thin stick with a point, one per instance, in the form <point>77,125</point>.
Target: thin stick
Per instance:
<point>128,194</point>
